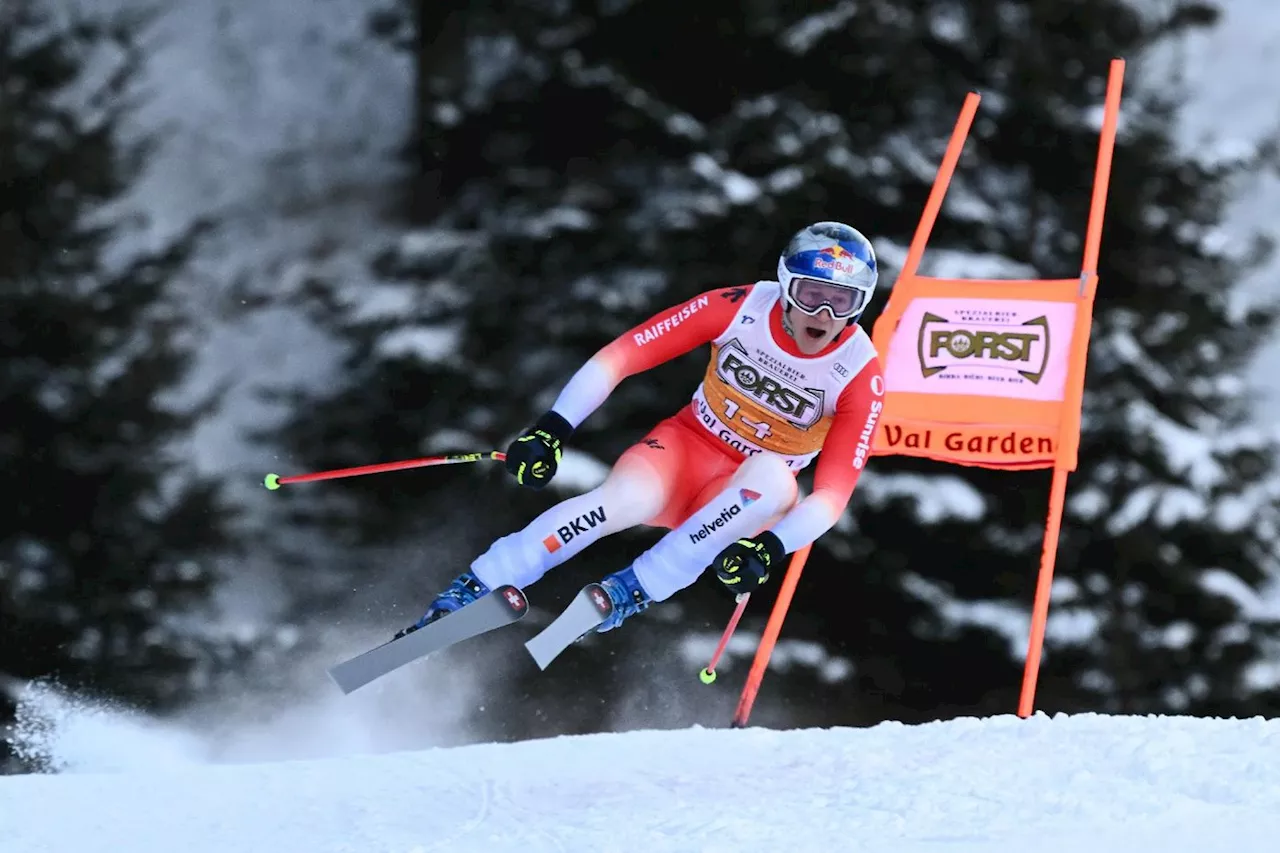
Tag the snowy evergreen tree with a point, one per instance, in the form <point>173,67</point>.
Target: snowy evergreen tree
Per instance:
<point>573,178</point>
<point>107,539</point>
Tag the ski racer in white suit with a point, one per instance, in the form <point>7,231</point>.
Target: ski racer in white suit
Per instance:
<point>791,378</point>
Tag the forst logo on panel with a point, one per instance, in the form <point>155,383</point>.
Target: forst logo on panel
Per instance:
<point>979,340</point>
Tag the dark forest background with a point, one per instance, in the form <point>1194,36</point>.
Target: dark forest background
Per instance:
<point>570,168</point>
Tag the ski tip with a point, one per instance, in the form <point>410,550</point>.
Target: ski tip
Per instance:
<point>271,481</point>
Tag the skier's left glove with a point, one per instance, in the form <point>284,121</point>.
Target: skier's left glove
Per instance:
<point>534,457</point>
<point>744,566</point>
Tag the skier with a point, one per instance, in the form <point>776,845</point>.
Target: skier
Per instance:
<point>790,374</point>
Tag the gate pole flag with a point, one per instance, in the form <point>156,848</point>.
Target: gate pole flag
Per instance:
<point>990,373</point>
<point>982,372</point>
<point>789,581</point>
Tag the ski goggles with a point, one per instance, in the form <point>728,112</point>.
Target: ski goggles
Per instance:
<point>811,295</point>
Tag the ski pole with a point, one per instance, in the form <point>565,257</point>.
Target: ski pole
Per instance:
<point>708,675</point>
<point>275,481</point>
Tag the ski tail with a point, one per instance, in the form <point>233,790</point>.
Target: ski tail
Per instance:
<point>590,608</point>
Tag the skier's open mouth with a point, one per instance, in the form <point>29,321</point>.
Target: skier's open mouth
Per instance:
<point>814,332</point>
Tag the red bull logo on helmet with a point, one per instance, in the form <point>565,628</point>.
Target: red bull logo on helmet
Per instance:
<point>841,261</point>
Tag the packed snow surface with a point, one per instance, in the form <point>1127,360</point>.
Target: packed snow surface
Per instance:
<point>1083,784</point>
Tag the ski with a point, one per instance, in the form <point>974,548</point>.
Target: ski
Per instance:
<point>590,607</point>
<point>505,605</point>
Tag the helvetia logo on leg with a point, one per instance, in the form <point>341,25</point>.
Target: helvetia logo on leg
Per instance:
<point>709,527</point>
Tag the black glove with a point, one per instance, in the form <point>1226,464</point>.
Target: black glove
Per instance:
<point>535,455</point>
<point>744,566</point>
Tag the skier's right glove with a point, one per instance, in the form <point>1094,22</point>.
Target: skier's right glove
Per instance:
<point>534,456</point>
<point>744,565</point>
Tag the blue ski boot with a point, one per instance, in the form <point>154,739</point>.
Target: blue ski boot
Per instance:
<point>628,597</point>
<point>465,589</point>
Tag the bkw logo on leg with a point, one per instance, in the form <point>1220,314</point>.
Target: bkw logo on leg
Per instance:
<point>581,524</point>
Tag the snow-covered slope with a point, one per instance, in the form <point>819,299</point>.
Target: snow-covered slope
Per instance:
<point>1003,785</point>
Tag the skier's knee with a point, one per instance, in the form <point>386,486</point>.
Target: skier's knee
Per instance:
<point>769,476</point>
<point>634,491</point>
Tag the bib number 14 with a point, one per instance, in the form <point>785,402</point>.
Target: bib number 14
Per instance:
<point>731,412</point>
